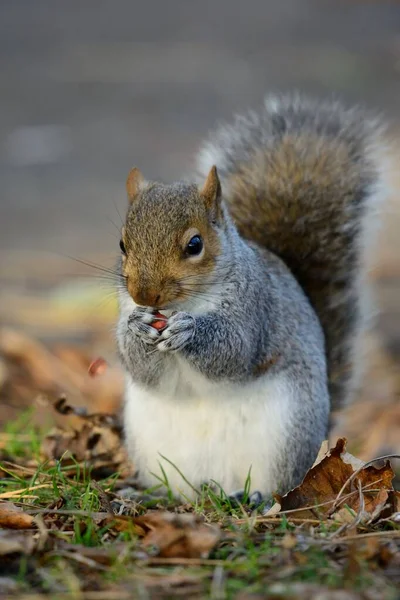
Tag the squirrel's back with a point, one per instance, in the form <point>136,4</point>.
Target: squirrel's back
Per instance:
<point>303,179</point>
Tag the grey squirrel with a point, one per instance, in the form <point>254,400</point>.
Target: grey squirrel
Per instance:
<point>256,272</point>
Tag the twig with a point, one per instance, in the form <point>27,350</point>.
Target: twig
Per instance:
<point>279,519</point>
<point>95,595</point>
<point>358,516</point>
<point>80,558</point>
<point>21,491</point>
<point>196,562</point>
<point>43,533</point>
<point>72,512</point>
<point>262,519</point>
<point>29,470</point>
<point>350,538</point>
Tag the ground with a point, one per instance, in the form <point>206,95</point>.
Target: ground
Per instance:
<point>75,525</point>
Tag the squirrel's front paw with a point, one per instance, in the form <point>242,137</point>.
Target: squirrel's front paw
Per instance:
<point>139,324</point>
<point>178,332</point>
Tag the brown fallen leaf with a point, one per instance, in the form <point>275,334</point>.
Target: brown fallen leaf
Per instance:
<point>122,523</point>
<point>325,480</point>
<point>172,535</point>
<point>96,438</point>
<point>167,535</point>
<point>376,549</point>
<point>80,417</point>
<point>13,517</point>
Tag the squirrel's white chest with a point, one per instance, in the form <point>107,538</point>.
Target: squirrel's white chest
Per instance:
<point>208,431</point>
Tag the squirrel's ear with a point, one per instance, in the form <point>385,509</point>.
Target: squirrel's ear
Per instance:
<point>133,184</point>
<point>211,191</point>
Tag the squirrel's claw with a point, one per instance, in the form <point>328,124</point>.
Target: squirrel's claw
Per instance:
<point>178,332</point>
<point>138,324</point>
<point>254,500</point>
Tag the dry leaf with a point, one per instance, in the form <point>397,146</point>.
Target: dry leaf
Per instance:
<point>168,535</point>
<point>173,535</point>
<point>324,481</point>
<point>80,417</point>
<point>323,451</point>
<point>121,523</point>
<point>274,510</point>
<point>13,517</point>
<point>95,438</point>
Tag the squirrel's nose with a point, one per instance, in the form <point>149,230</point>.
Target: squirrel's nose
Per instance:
<point>144,296</point>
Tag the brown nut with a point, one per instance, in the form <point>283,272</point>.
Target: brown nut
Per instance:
<point>160,321</point>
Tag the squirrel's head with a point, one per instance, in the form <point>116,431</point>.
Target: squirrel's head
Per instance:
<point>170,243</point>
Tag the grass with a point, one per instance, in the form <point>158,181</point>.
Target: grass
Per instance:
<point>264,557</point>
<point>22,438</point>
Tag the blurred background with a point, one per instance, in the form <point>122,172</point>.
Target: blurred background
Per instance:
<point>89,89</point>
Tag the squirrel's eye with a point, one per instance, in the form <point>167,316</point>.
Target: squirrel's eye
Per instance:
<point>195,246</point>
<point>122,246</point>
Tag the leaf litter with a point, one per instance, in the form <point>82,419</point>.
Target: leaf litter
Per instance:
<point>73,520</point>
<point>345,512</point>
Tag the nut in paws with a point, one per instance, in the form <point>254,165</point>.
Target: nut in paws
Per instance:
<point>139,324</point>
<point>179,332</point>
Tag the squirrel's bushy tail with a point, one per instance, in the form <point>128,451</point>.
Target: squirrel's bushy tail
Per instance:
<point>303,179</point>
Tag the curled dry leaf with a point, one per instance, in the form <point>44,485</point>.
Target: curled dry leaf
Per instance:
<point>92,438</point>
<point>61,407</point>
<point>325,479</point>
<point>13,517</point>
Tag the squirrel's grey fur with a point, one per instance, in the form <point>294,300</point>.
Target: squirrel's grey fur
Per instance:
<point>237,381</point>
<point>316,201</point>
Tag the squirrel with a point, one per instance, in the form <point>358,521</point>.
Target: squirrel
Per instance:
<point>258,268</point>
